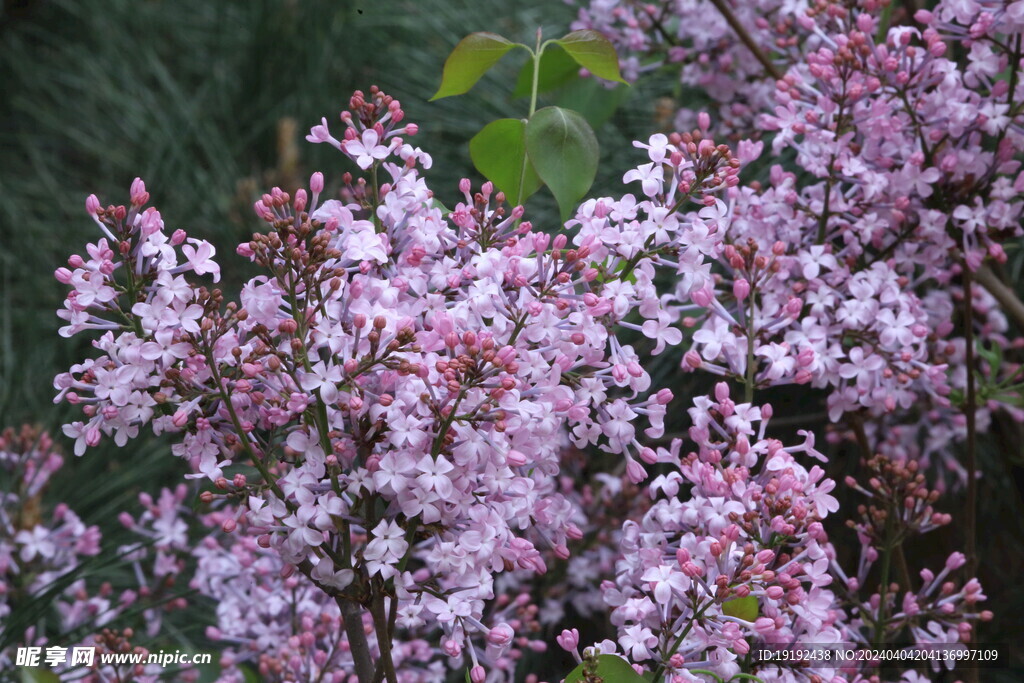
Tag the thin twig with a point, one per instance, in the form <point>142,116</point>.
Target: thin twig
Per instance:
<point>745,36</point>
<point>901,563</point>
<point>970,410</point>
<point>1007,298</point>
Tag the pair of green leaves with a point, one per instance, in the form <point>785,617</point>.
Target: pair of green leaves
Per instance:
<point>478,52</point>
<point>555,146</point>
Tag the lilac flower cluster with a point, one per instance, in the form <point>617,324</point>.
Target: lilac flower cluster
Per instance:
<point>388,414</point>
<point>42,545</point>
<point>848,276</point>
<point>39,545</point>
<point>737,520</point>
<point>403,380</point>
<point>693,38</point>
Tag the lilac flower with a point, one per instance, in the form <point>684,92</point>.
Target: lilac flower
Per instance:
<point>365,149</point>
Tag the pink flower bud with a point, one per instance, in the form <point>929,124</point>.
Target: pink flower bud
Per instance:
<point>740,289</point>
<point>515,458</point>
<point>568,640</point>
<point>316,182</point>
<point>648,455</point>
<point>138,193</point>
<point>955,561</point>
<point>92,205</point>
<point>635,471</point>
<point>702,297</point>
<point>501,635</point>
<point>451,647</point>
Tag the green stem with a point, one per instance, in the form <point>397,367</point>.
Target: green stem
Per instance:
<point>536,54</point>
<point>883,23</point>
<point>682,636</point>
<point>748,380</point>
<point>883,604</point>
<point>536,74</point>
<point>823,219</point>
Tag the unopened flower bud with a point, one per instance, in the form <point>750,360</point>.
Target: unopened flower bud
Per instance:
<point>635,471</point>
<point>568,640</point>
<point>740,289</point>
<point>316,182</point>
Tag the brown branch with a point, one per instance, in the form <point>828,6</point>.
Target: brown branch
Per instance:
<point>1007,298</point>
<point>380,624</point>
<point>971,455</point>
<point>747,39</point>
<point>352,616</point>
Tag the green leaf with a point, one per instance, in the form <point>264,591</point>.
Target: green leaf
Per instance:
<point>741,608</point>
<point>563,150</point>
<point>38,676</point>
<point>591,99</point>
<point>471,58</point>
<point>498,152</point>
<point>593,52</point>
<point>556,69</point>
<point>438,204</point>
<point>611,668</point>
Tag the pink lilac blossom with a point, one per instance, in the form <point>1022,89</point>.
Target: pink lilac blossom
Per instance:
<point>406,381</point>
<point>403,380</point>
<point>42,544</point>
<point>847,276</point>
<point>742,518</point>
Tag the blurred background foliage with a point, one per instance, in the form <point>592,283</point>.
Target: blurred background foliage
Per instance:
<point>210,102</point>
